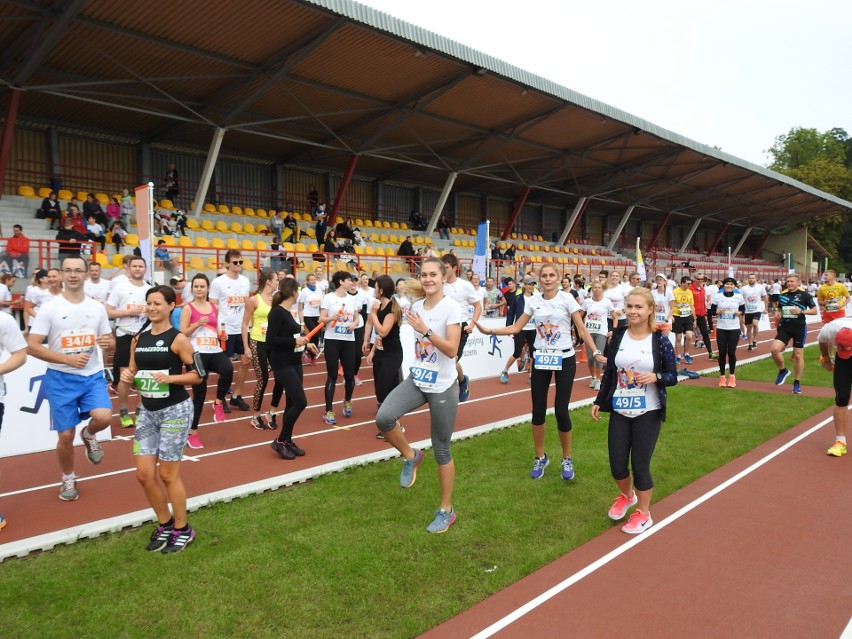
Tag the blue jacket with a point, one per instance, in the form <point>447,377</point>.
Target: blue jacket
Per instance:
<point>664,366</point>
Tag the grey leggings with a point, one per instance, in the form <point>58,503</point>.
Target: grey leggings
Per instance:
<point>599,345</point>
<point>442,408</point>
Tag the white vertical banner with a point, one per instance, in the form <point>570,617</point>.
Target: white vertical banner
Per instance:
<point>480,255</point>
<point>640,263</point>
<point>730,266</point>
<point>145,226</point>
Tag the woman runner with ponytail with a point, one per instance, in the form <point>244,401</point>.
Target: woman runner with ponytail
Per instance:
<point>385,354</point>
<point>339,313</point>
<point>157,360</point>
<point>254,341</point>
<point>309,302</point>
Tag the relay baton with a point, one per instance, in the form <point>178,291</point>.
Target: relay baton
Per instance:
<point>316,329</point>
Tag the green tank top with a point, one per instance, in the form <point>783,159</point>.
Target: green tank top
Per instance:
<point>259,320</point>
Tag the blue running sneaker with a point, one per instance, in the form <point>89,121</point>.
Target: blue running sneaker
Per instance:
<point>464,389</point>
<point>687,359</point>
<point>2,522</point>
<point>347,409</point>
<point>797,388</point>
<point>567,468</point>
<point>328,416</point>
<point>782,375</point>
<point>409,469</point>
<point>442,522</point>
<point>504,377</point>
<point>678,359</point>
<point>539,464</point>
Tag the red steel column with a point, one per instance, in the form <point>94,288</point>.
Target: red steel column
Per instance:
<point>715,243</point>
<point>659,231</point>
<point>515,214</point>
<point>341,190</point>
<point>8,134</point>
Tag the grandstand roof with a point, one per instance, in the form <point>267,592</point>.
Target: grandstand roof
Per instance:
<point>311,82</point>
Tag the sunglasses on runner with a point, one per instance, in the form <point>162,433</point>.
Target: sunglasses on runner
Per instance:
<point>237,262</point>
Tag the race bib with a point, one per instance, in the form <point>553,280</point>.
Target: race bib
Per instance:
<point>548,360</point>
<point>425,374</point>
<point>296,336</point>
<point>263,327</point>
<point>147,387</point>
<point>629,402</point>
<point>594,326</point>
<point>342,329</point>
<point>236,300</point>
<point>727,315</point>
<point>314,303</point>
<point>136,309</point>
<point>77,340</point>
<point>207,342</point>
<point>684,310</point>
<point>832,306</point>
<point>787,311</point>
<point>662,318</point>
<point>379,346</point>
<point>751,307</point>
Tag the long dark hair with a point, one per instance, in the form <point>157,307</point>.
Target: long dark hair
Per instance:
<point>385,285</point>
<point>168,294</point>
<point>262,279</point>
<point>286,288</point>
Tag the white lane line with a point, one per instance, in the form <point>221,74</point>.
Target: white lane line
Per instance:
<point>657,527</point>
<point>847,631</point>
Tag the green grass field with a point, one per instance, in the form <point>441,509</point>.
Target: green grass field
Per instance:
<point>347,554</point>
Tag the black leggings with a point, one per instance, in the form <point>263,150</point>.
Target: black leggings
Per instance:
<point>213,363</point>
<point>842,381</point>
<point>260,363</point>
<point>291,380</point>
<point>386,372</point>
<point>521,338</point>
<point>339,351</point>
<point>701,320</point>
<point>539,386</point>
<point>311,324</point>
<point>727,340</point>
<point>632,439</point>
<point>359,351</point>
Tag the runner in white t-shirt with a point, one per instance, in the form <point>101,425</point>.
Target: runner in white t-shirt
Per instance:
<point>339,313</point>
<point>96,287</point>
<point>47,285</point>
<point>599,312</point>
<point>365,295</point>
<point>322,283</point>
<point>614,292</point>
<point>436,321</point>
<point>308,304</point>
<point>462,292</point>
<point>230,292</point>
<point>756,302</point>
<point>729,309</point>
<point>13,343</point>
<point>76,329</point>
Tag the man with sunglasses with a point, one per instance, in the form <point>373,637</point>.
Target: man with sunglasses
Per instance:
<point>229,292</point>
<point>699,296</point>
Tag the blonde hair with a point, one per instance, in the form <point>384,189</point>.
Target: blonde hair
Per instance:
<point>413,287</point>
<point>645,294</point>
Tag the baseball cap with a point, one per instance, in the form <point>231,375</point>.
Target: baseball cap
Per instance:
<point>529,280</point>
<point>660,275</point>
<point>843,339</point>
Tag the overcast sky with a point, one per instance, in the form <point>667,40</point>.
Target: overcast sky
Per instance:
<point>732,73</point>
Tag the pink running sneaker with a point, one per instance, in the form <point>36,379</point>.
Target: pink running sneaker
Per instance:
<point>638,523</point>
<point>194,441</point>
<point>218,412</point>
<point>620,506</point>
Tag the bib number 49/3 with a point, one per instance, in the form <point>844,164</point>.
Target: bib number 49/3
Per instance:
<point>548,360</point>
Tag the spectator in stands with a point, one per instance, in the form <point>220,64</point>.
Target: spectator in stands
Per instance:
<point>164,259</point>
<point>276,225</point>
<point>344,230</point>
<point>171,184</point>
<point>92,208</point>
<point>509,255</point>
<point>113,212</point>
<point>178,223</point>
<point>78,223</point>
<point>321,225</point>
<point>417,221</point>
<point>313,202</point>
<point>406,249</point>
<point>496,253</point>
<point>127,209</point>
<point>95,232</point>
<point>330,245</point>
<point>16,259</point>
<point>291,234</point>
<point>50,210</point>
<point>72,202</point>
<point>443,228</point>
<point>429,252</point>
<point>118,233</point>
<point>70,240</point>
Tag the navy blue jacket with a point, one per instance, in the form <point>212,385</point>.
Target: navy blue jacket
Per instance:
<point>664,366</point>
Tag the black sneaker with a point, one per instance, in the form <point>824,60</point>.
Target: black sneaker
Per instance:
<point>225,407</point>
<point>273,424</point>
<point>239,402</point>
<point>282,450</point>
<point>180,539</point>
<point>259,423</point>
<point>380,435</point>
<point>160,537</point>
<point>293,448</point>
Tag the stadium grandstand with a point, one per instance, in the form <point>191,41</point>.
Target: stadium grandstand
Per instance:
<point>330,102</point>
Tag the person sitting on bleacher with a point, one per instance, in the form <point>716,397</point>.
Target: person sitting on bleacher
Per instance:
<point>92,208</point>
<point>443,227</point>
<point>417,221</point>
<point>78,223</point>
<point>330,245</point>
<point>118,233</point>
<point>321,226</point>
<point>113,212</point>
<point>50,210</point>
<point>16,259</point>
<point>95,232</point>
<point>276,226</point>
<point>509,255</point>
<point>69,238</point>
<point>291,228</point>
<point>344,230</point>
<point>164,259</point>
<point>177,223</point>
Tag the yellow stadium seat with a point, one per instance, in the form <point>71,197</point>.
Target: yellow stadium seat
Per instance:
<point>262,229</point>
<point>313,248</point>
<point>418,239</point>
<point>392,239</point>
<point>232,243</point>
<point>261,213</point>
<point>217,243</point>
<point>27,191</point>
<point>185,241</point>
<point>102,259</point>
<point>65,194</point>
<point>380,250</point>
<point>236,210</point>
<point>224,210</point>
<point>248,228</point>
<point>297,217</point>
<point>403,226</point>
<point>207,225</point>
<point>359,222</point>
<point>169,240</point>
<point>301,247</point>
<point>383,238</point>
<point>118,260</point>
<point>192,224</point>
<point>270,213</point>
<point>81,195</point>
<point>221,227</point>
<point>368,223</point>
<point>132,239</point>
<point>44,191</point>
<point>370,250</point>
<point>166,204</point>
<point>247,265</point>
<point>236,227</point>
<point>386,224</point>
<point>249,212</point>
<point>288,246</point>
<point>247,245</point>
<point>262,246</point>
<point>196,264</point>
<point>212,263</point>
<point>394,225</point>
<point>209,208</point>
<point>202,242</point>
<point>310,232</point>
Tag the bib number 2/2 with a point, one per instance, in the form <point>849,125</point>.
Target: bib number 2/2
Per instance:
<point>149,388</point>
<point>548,360</point>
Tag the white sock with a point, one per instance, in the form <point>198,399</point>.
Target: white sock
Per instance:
<point>841,438</point>
<point>71,476</point>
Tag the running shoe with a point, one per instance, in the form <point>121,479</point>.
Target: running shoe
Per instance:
<point>380,435</point>
<point>732,381</point>
<point>687,359</point>
<point>219,412</point>
<point>743,337</point>
<point>567,468</point>
<point>783,374</point>
<point>678,359</point>
<point>409,469</point>
<point>504,377</point>
<point>239,402</point>
<point>69,490</point>
<point>619,507</point>
<point>347,409</point>
<point>592,382</point>
<point>442,522</point>
<point>225,408</point>
<point>639,522</point>
<point>194,441</point>
<point>94,452</point>
<point>754,345</point>
<point>838,450</point>
<point>126,419</point>
<point>160,537</point>
<point>750,347</point>
<point>180,540</point>
<point>358,381</point>
<point>797,388</point>
<point>282,450</point>
<point>329,418</point>
<point>273,423</point>
<point>464,389</point>
<point>294,448</point>
<point>259,423</point>
<point>539,464</point>
<point>2,522</point>
<point>722,382</point>
<point>712,356</point>
<point>597,384</point>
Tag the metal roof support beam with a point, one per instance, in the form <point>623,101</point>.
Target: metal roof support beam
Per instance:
<point>742,241</point>
<point>343,188</point>
<point>8,134</point>
<point>691,234</point>
<point>659,231</point>
<point>718,239</point>
<point>207,172</point>
<point>760,245</point>
<point>60,28</point>
<point>515,214</point>
<point>620,228</point>
<point>442,202</point>
<point>578,211</point>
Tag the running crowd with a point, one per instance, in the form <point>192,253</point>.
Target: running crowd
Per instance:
<point>164,339</point>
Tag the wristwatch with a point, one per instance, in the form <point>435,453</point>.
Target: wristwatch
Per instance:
<point>428,333</point>
<point>596,353</point>
<point>659,377</point>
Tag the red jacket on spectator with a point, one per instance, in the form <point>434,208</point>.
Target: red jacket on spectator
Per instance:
<point>699,296</point>
<point>17,245</point>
